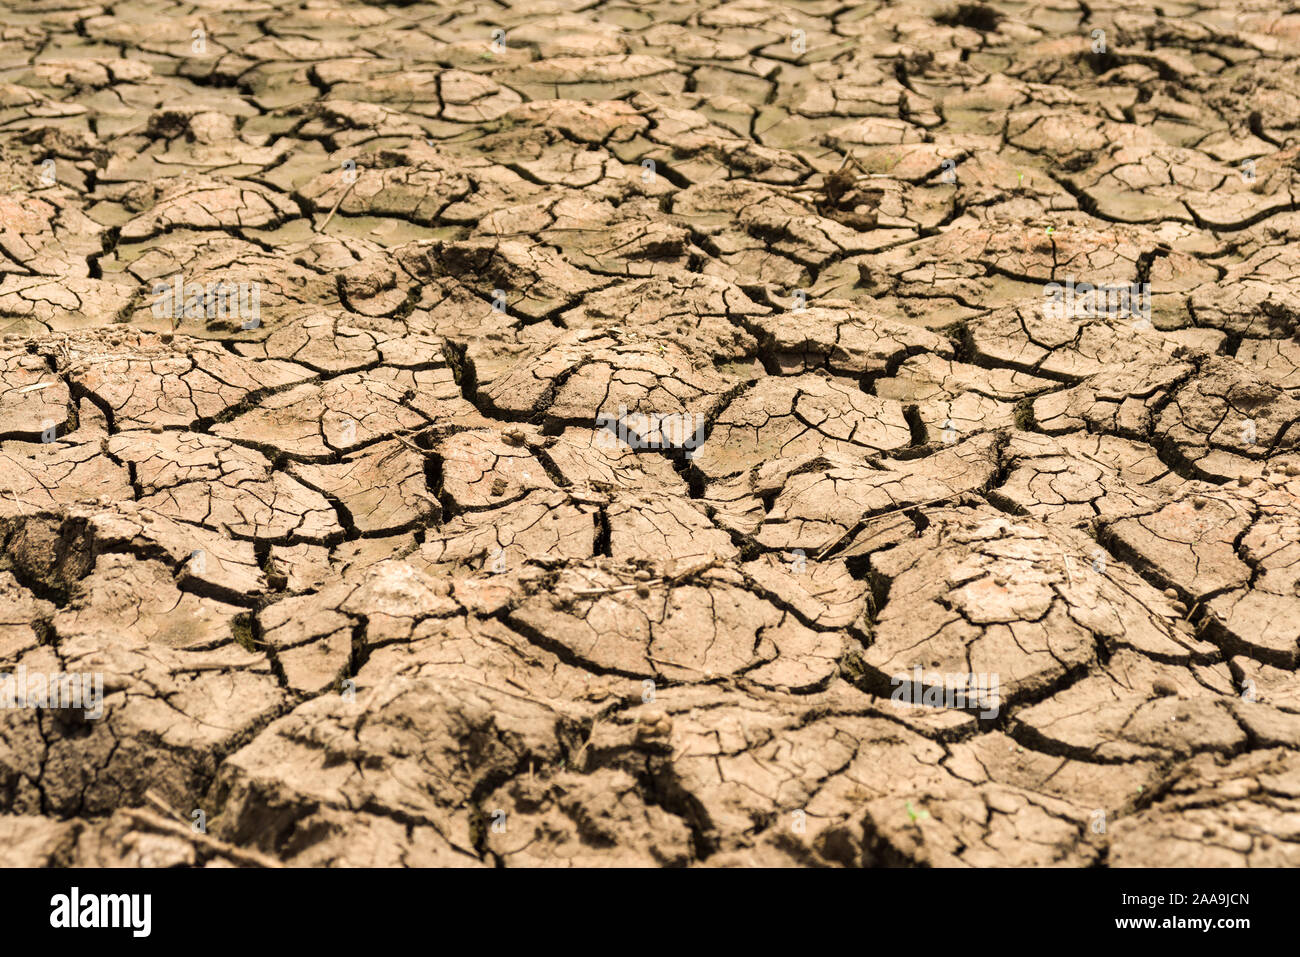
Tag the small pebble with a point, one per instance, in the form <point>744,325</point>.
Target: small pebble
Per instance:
<point>1171,592</point>
<point>1164,687</point>
<point>1200,502</point>
<point>643,590</point>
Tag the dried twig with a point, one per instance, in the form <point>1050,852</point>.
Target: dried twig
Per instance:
<point>321,228</point>
<point>157,822</point>
<point>869,516</point>
<point>152,797</point>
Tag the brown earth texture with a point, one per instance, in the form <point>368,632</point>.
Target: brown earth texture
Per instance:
<point>605,432</point>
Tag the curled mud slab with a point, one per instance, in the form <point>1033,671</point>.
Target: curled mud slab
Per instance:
<point>520,435</point>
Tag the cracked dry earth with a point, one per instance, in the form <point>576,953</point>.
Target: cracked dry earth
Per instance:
<point>367,582</point>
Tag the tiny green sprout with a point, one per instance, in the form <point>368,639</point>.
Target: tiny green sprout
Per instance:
<point>1050,230</point>
<point>914,814</point>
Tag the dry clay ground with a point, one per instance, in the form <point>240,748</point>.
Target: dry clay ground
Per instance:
<point>368,584</point>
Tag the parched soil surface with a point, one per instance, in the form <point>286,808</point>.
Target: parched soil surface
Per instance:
<point>415,564</point>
